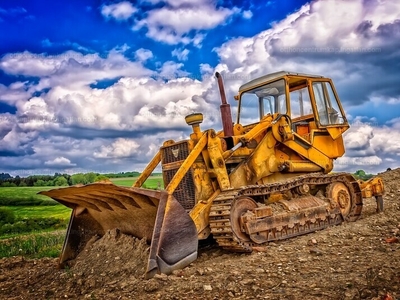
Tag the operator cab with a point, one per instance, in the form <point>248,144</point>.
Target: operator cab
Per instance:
<point>309,100</point>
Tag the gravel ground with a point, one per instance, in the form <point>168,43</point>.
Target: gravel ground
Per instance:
<point>359,260</point>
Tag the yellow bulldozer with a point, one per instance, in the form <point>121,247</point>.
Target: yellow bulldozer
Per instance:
<point>264,178</point>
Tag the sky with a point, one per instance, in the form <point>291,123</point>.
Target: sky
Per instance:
<point>98,86</point>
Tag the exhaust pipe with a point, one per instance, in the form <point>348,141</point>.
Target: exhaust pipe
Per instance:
<point>225,108</point>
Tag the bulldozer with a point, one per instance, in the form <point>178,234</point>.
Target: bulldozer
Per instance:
<point>266,177</point>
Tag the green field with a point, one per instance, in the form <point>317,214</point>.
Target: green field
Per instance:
<point>55,211</point>
<point>35,229</point>
<point>152,182</point>
<point>25,196</point>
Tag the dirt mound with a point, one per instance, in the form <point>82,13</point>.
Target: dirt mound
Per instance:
<point>359,260</point>
<point>391,180</point>
<point>112,255</point>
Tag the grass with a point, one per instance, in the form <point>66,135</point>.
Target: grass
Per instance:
<point>35,245</point>
<point>26,212</point>
<point>151,182</point>
<point>27,205</point>
<point>25,196</point>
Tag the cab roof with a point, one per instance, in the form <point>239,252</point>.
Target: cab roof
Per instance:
<point>272,77</point>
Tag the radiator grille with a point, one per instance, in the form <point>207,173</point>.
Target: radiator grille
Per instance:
<point>185,192</point>
<point>175,152</point>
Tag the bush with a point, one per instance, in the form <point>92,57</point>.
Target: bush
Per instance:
<point>8,184</point>
<point>7,216</point>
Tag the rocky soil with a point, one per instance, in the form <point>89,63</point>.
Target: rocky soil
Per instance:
<point>359,260</point>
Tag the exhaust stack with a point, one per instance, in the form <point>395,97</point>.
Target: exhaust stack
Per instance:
<point>225,108</point>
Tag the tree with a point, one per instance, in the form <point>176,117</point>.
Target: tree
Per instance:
<point>60,181</point>
<point>40,182</point>
<point>5,176</point>
<point>78,178</point>
<point>360,173</point>
<point>101,178</point>
<point>90,177</point>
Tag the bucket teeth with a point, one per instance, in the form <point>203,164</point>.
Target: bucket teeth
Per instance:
<point>100,207</point>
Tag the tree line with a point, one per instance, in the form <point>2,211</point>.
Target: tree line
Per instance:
<point>58,179</point>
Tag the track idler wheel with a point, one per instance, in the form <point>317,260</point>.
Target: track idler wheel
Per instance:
<point>341,195</point>
<point>239,207</point>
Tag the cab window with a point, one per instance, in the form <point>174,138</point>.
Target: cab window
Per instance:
<point>327,105</point>
<point>261,101</point>
<point>300,103</point>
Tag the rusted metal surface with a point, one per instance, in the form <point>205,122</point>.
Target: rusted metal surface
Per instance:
<point>340,193</point>
<point>226,115</point>
<point>299,215</point>
<point>174,240</point>
<point>142,213</point>
<point>132,210</point>
<point>239,207</point>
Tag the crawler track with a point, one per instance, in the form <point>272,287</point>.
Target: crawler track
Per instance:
<point>220,213</point>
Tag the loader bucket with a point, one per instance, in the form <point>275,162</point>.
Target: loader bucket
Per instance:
<point>153,215</point>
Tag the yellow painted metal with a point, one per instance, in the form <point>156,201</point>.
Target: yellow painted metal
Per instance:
<point>332,148</point>
<point>200,214</point>
<point>372,187</point>
<point>184,168</point>
<point>261,163</point>
<point>302,166</point>
<point>217,160</point>
<point>336,132</point>
<point>202,181</point>
<point>149,169</point>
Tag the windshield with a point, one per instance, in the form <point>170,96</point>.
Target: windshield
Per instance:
<point>258,102</point>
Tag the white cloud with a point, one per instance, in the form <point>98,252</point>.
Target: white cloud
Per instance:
<point>71,67</point>
<point>120,11</point>
<point>174,24</point>
<point>143,54</point>
<point>181,54</point>
<point>14,92</point>
<point>247,14</point>
<point>63,117</point>
<point>359,139</point>
<point>171,70</point>
<point>361,162</point>
<point>121,148</point>
<point>59,162</point>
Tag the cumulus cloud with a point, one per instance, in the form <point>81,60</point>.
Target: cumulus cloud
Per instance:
<point>290,44</point>
<point>181,54</point>
<point>121,148</point>
<point>247,14</point>
<point>119,11</point>
<point>71,67</point>
<point>143,54</point>
<point>63,115</point>
<point>59,162</point>
<point>182,21</point>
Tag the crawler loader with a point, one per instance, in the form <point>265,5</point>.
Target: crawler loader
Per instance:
<point>264,178</point>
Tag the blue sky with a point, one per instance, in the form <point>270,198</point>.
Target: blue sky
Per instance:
<point>99,85</point>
